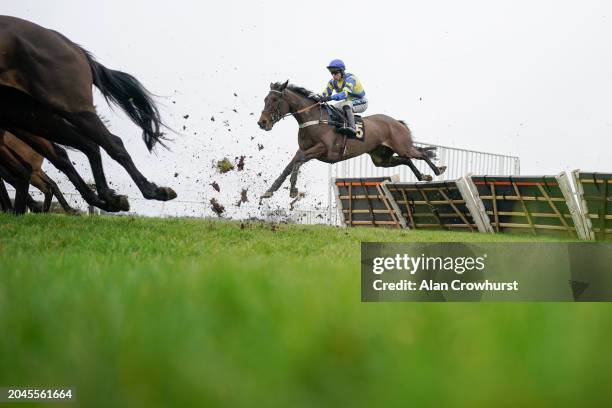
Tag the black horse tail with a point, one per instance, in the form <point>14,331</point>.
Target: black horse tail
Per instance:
<point>131,96</point>
<point>429,151</point>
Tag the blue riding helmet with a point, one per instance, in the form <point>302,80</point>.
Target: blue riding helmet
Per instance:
<point>336,64</point>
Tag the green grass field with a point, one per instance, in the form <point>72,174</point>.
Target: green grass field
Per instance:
<point>142,312</point>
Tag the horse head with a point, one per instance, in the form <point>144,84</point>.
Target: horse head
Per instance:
<point>276,106</point>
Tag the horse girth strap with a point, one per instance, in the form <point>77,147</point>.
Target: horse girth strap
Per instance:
<point>314,122</point>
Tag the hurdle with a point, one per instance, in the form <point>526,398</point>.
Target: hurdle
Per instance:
<point>594,198</point>
<point>363,202</point>
<point>440,205</point>
<point>538,204</point>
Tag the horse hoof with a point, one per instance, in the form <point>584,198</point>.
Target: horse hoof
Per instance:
<point>267,194</point>
<point>37,208</point>
<point>114,202</point>
<point>441,169</point>
<point>118,203</point>
<point>293,192</point>
<point>427,177</point>
<point>164,194</point>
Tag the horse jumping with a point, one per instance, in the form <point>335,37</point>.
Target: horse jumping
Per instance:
<point>388,141</point>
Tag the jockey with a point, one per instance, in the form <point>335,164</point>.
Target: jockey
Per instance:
<point>349,94</point>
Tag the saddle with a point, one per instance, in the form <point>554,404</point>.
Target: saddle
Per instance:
<point>337,118</point>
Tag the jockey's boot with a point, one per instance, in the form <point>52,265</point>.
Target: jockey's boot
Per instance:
<point>349,128</point>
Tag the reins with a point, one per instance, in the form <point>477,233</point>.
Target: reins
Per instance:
<point>306,109</point>
<point>321,121</point>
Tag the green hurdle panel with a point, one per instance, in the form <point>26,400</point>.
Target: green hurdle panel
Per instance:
<point>541,205</point>
<point>439,205</point>
<point>362,202</point>
<point>594,192</point>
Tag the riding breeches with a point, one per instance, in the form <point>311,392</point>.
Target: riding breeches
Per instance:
<point>358,105</point>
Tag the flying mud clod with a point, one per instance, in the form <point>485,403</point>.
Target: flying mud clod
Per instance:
<point>224,165</point>
<point>243,197</point>
<point>240,164</point>
<point>216,207</point>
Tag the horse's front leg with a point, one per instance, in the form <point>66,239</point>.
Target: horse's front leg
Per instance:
<point>283,176</point>
<point>302,157</point>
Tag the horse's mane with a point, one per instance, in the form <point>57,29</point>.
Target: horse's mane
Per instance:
<point>297,89</point>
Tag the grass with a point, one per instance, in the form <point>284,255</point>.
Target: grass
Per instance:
<point>182,313</point>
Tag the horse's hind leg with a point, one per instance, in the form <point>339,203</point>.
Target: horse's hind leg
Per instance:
<point>383,156</point>
<point>427,154</point>
<point>42,178</point>
<point>92,151</point>
<point>44,187</point>
<point>33,205</point>
<point>402,144</point>
<point>93,128</point>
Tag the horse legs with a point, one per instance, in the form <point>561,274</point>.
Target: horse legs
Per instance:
<point>44,183</point>
<point>16,173</point>
<point>59,158</point>
<point>383,156</point>
<point>25,118</point>
<point>33,205</point>
<point>280,179</point>
<point>293,168</point>
<point>93,128</point>
<point>401,143</point>
<point>295,171</point>
<point>41,178</point>
<point>425,156</point>
<point>37,182</point>
<point>92,151</point>
<point>5,200</point>
<point>71,138</point>
<point>303,156</point>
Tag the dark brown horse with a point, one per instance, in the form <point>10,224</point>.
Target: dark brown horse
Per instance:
<point>46,92</point>
<point>38,178</point>
<point>16,171</point>
<point>387,141</point>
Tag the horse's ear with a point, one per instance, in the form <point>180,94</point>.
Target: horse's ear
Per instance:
<point>283,86</point>
<point>271,85</point>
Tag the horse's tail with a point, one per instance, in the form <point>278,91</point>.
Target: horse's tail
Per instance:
<point>131,96</point>
<point>429,151</point>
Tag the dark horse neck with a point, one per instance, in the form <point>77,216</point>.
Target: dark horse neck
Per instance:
<point>298,102</point>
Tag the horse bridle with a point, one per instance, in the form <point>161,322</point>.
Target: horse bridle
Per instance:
<point>276,116</point>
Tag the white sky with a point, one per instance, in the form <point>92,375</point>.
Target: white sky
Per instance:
<point>527,78</point>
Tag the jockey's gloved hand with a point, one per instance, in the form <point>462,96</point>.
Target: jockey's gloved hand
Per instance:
<point>320,98</point>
